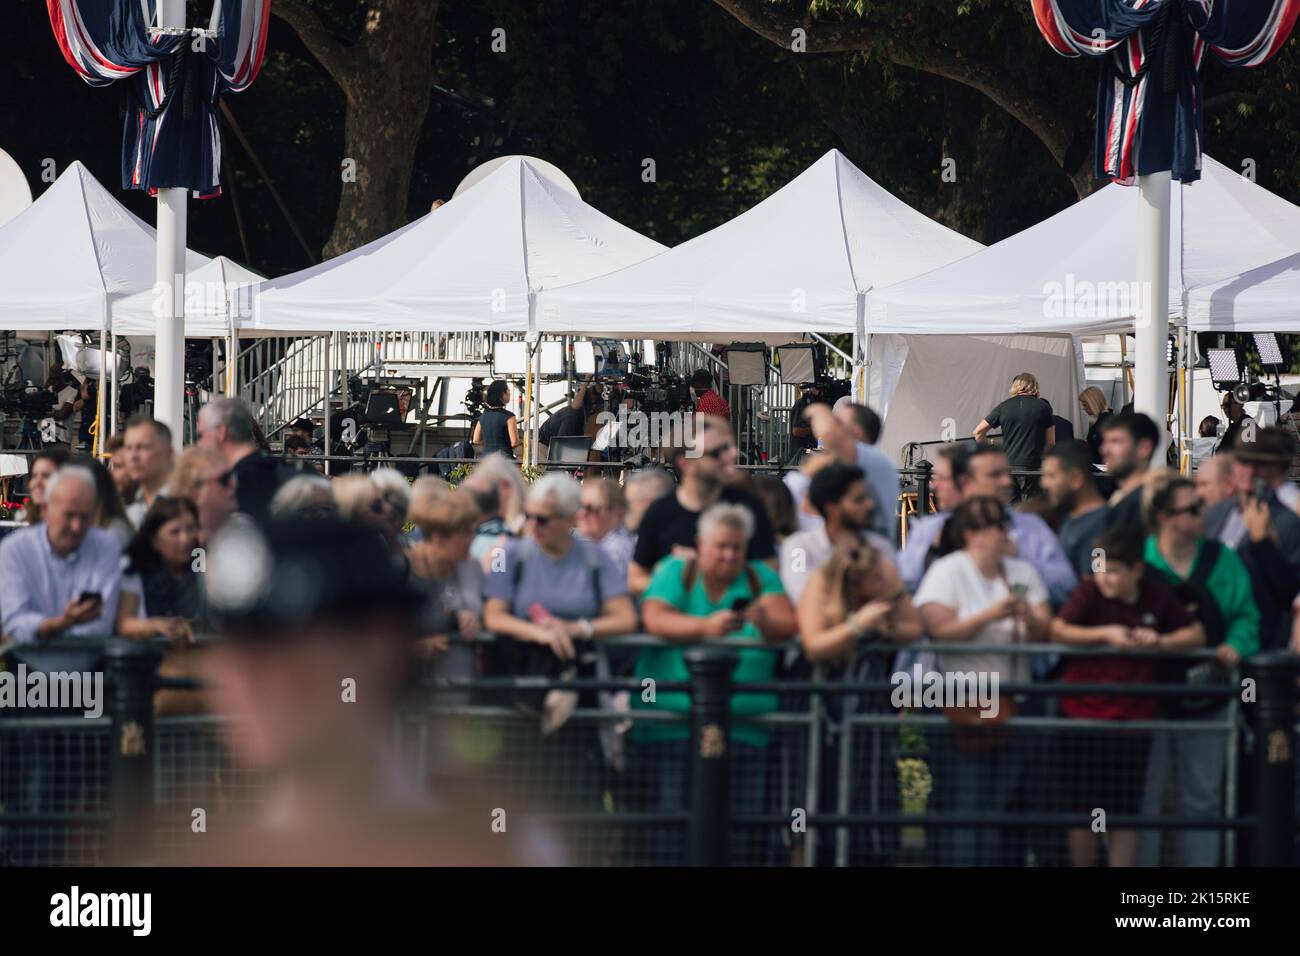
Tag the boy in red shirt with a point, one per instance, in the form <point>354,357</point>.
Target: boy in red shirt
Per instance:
<point>1121,608</point>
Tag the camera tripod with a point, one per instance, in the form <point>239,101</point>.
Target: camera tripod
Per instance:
<point>29,439</point>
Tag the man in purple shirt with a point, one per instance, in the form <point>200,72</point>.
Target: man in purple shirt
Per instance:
<point>62,577</point>
<point>986,472</point>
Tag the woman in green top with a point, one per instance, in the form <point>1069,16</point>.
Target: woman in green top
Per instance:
<point>716,596</point>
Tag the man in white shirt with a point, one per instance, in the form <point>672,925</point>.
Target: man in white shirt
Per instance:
<point>838,492</point>
<point>148,450</point>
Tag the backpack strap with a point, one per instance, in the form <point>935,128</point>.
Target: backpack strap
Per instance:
<point>1209,558</point>
<point>751,578</point>
<point>591,555</point>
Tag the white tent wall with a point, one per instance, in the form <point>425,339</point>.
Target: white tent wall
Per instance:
<point>939,387</point>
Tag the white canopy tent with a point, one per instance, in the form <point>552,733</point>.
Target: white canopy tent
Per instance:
<point>1266,299</point>
<point>1073,273</point>
<point>1076,272</point>
<point>800,261</point>
<point>66,258</point>
<point>208,289</point>
<point>70,257</point>
<point>473,265</point>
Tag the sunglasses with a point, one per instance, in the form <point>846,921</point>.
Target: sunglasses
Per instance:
<point>1195,508</point>
<point>592,509</point>
<point>719,451</point>
<point>540,520</point>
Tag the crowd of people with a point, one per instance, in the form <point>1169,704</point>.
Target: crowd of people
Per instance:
<point>1128,556</point>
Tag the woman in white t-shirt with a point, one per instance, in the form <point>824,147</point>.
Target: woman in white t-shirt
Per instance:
<point>979,595</point>
<point>982,595</point>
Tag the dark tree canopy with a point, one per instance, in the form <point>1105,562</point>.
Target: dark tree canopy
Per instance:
<point>414,92</point>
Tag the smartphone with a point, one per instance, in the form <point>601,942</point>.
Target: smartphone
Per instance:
<point>740,604</point>
<point>90,596</point>
<point>1261,489</point>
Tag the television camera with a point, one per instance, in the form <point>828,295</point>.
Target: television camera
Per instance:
<point>27,399</point>
<point>658,390</point>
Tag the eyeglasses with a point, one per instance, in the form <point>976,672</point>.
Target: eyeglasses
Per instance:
<point>1195,508</point>
<point>541,520</point>
<point>592,509</point>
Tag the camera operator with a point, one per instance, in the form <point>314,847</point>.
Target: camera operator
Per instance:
<point>68,398</point>
<point>569,420</point>
<point>497,430</point>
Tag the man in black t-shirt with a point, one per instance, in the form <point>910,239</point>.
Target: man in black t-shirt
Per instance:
<point>669,524</point>
<point>226,425</point>
<point>567,421</point>
<point>1027,428</point>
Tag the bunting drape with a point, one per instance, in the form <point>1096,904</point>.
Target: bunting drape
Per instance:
<point>1150,91</point>
<point>171,134</point>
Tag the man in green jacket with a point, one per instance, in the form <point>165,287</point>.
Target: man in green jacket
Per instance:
<point>1212,578</point>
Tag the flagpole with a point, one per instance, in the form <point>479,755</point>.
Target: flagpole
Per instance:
<point>169,359</point>
<point>1151,388</point>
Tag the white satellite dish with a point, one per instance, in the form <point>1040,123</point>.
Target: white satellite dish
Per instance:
<point>549,171</point>
<point>15,194</point>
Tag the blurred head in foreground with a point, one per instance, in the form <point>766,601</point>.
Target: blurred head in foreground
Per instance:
<point>319,623</point>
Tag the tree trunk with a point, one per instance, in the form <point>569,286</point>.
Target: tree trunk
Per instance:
<point>380,136</point>
<point>386,76</point>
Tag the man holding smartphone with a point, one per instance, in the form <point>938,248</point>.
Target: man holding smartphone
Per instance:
<point>1259,523</point>
<point>62,577</point>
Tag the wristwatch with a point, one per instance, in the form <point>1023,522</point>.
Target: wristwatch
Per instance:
<point>584,625</point>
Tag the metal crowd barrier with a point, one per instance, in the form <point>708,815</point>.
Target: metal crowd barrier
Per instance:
<point>841,777</point>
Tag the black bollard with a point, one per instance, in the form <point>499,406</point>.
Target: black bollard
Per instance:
<point>131,670</point>
<point>710,770</point>
<point>925,469</point>
<point>1273,722</point>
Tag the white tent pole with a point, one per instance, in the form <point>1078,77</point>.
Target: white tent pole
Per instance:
<point>112,405</point>
<point>169,379</point>
<point>99,395</point>
<point>1151,385</point>
<point>326,400</point>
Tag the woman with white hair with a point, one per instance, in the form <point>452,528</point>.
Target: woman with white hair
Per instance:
<point>551,589</point>
<point>360,499</point>
<point>396,492</point>
<point>304,496</point>
<point>718,595</point>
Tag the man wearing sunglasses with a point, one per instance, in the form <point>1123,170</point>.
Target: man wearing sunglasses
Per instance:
<point>707,467</point>
<point>1214,585</point>
<point>226,425</point>
<point>203,478</point>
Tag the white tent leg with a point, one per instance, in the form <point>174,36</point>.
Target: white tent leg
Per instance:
<point>99,444</point>
<point>326,399</point>
<point>1151,385</point>
<point>112,404</point>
